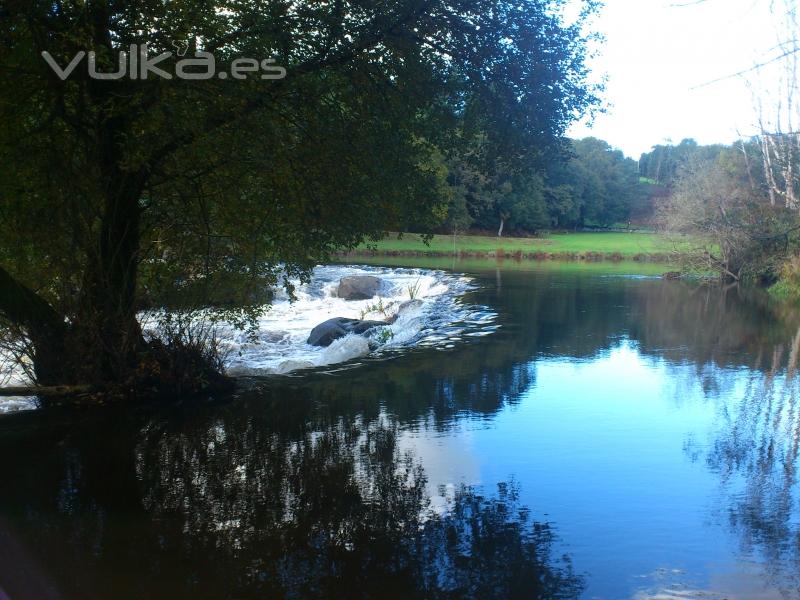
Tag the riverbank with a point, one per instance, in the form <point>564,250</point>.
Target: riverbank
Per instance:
<point>615,246</point>
<point>464,264</point>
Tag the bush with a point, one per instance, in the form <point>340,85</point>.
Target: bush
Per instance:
<point>183,356</point>
<point>788,285</point>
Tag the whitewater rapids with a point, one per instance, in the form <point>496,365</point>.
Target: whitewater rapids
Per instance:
<point>435,317</point>
<point>421,307</point>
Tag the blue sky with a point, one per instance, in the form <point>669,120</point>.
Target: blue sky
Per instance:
<point>655,55</point>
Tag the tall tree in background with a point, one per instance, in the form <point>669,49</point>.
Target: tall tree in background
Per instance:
<point>122,193</point>
<point>662,165</point>
<point>503,200</point>
<point>600,182</point>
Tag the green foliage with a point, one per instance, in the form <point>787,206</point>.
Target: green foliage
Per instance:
<point>383,335</point>
<point>582,183</point>
<point>596,187</point>
<point>128,193</point>
<point>788,285</point>
<point>378,307</point>
<point>663,164</point>
<point>413,289</point>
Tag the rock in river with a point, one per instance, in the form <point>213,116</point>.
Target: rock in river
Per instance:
<point>358,287</point>
<point>333,329</point>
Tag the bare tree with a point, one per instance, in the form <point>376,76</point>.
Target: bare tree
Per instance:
<point>779,137</point>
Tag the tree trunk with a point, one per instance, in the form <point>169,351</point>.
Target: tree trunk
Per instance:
<point>106,320</point>
<point>44,390</point>
<point>45,328</point>
<point>502,224</point>
<point>108,316</point>
<point>102,339</point>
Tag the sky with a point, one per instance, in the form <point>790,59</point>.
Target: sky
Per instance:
<point>656,54</point>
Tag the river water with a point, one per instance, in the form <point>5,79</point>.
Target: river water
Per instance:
<point>531,431</point>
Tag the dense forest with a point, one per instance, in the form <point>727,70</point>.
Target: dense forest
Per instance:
<point>584,183</point>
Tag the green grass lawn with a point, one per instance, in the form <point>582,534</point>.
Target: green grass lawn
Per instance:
<point>627,244</point>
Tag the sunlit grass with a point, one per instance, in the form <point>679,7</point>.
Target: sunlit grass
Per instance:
<point>626,244</point>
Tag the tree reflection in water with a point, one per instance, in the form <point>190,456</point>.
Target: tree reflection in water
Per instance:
<point>759,441</point>
<point>231,507</point>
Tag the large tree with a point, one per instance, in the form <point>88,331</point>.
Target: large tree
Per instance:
<point>116,194</point>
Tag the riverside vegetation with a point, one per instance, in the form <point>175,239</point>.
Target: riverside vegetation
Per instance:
<point>203,194</point>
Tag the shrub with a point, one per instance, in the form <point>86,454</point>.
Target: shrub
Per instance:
<point>788,285</point>
<point>184,356</point>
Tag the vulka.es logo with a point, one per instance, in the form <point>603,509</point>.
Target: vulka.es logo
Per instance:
<point>138,64</point>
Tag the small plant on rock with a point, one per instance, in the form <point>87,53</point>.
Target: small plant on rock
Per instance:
<point>414,289</point>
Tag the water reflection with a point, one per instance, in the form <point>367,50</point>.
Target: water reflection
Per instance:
<point>570,318</point>
<point>318,486</point>
<point>758,441</point>
<point>218,504</point>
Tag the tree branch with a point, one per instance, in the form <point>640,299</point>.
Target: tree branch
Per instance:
<point>52,390</point>
<point>24,307</point>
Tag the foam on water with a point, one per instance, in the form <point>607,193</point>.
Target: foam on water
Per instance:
<point>10,377</point>
<point>435,317</point>
<point>435,313</point>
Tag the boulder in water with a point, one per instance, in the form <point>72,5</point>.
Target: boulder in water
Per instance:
<point>338,327</point>
<point>358,287</point>
<point>409,305</point>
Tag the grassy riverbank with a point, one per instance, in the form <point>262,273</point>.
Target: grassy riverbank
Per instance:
<point>479,265</point>
<point>592,246</point>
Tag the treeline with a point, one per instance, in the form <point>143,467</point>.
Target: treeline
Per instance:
<point>664,164</point>
<point>583,184</point>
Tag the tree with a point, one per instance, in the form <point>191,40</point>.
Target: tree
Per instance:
<point>123,193</point>
<point>779,134</point>
<point>580,183</point>
<point>663,163</point>
<point>596,187</point>
<point>502,200</point>
<point>723,209</point>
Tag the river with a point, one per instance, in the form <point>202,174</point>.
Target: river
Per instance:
<point>536,430</point>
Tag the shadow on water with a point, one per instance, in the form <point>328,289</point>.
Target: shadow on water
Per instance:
<point>297,487</point>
